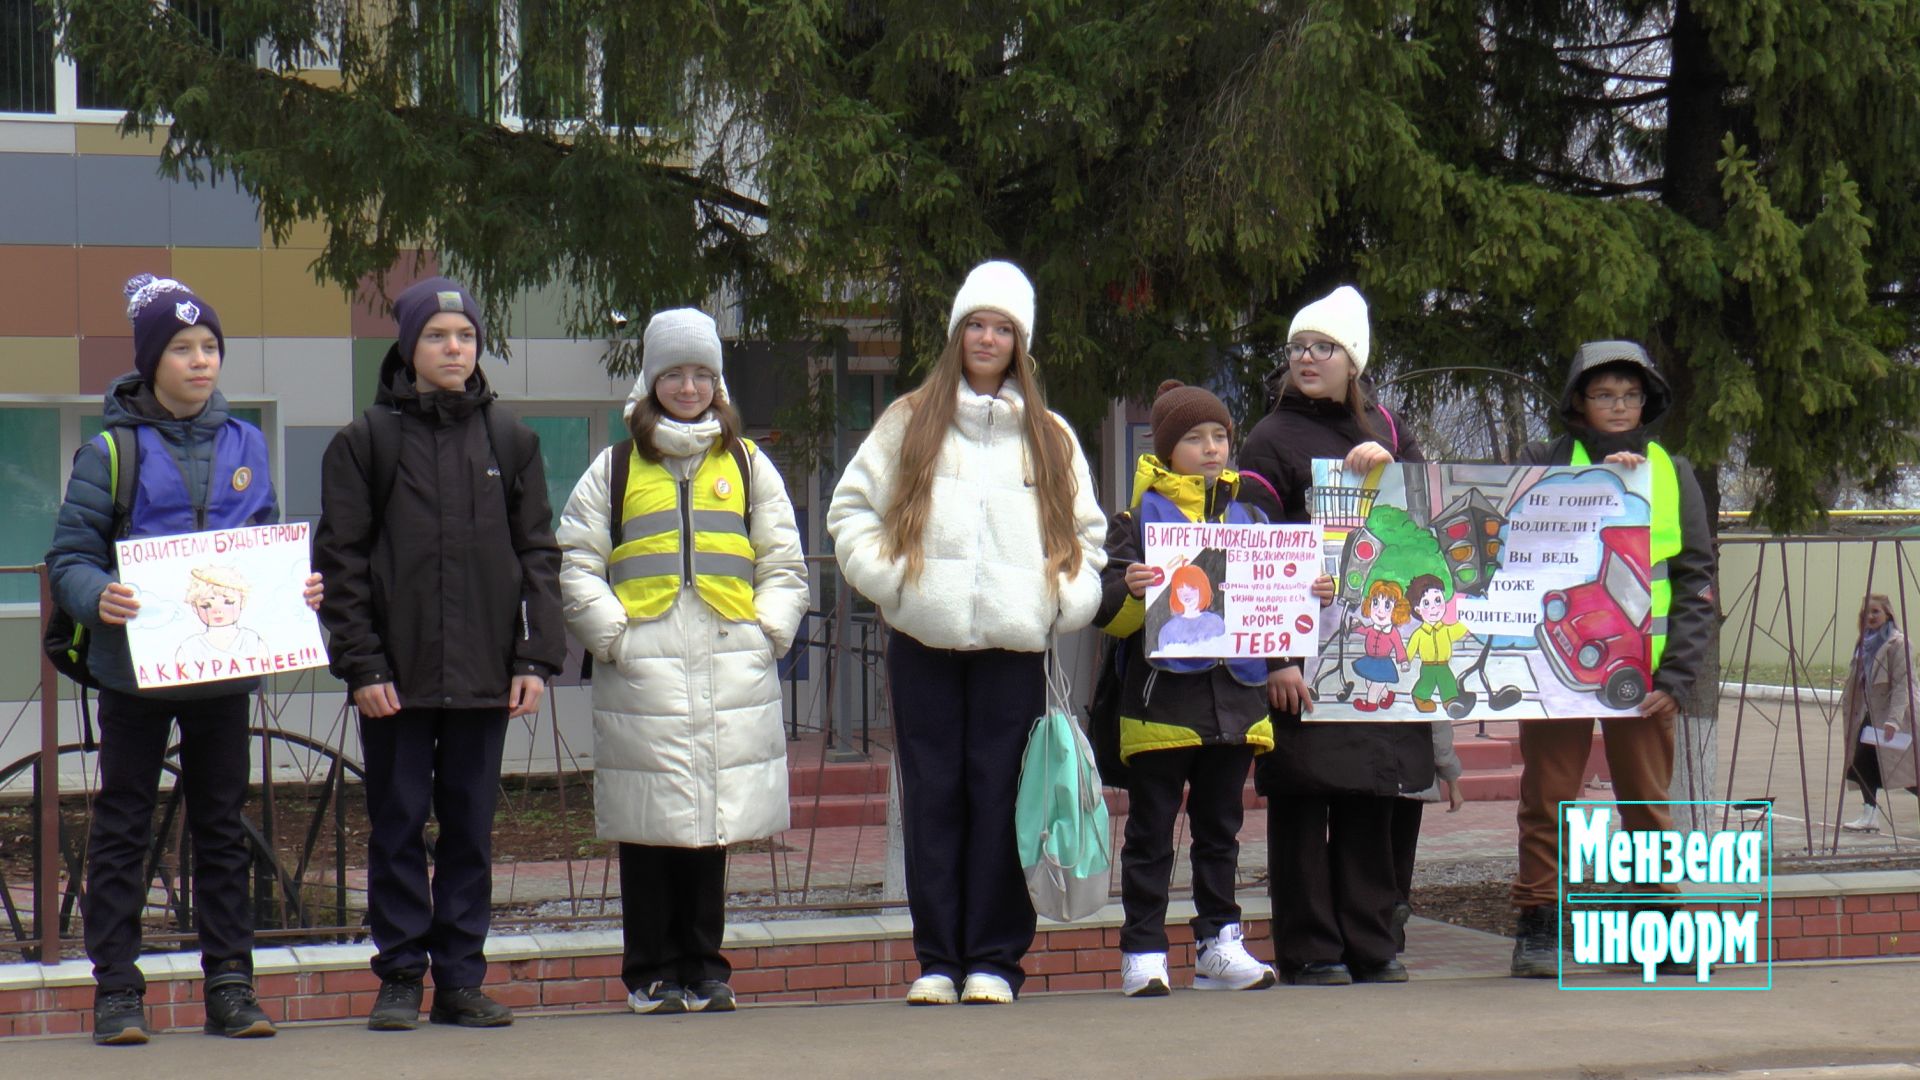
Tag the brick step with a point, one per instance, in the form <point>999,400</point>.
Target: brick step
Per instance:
<point>808,778</point>
<point>838,811</point>
<point>1490,785</point>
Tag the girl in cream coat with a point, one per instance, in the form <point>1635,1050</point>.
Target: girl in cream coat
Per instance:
<point>689,749</point>
<point>1882,694</point>
<point>968,516</point>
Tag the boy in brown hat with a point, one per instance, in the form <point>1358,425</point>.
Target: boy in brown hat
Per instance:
<point>1202,723</point>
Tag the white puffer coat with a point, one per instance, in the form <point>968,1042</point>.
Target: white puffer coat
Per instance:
<point>984,585</point>
<point>688,744</point>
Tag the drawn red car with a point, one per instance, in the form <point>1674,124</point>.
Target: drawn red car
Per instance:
<point>1596,634</point>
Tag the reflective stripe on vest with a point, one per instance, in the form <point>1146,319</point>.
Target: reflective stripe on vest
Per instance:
<point>162,503</point>
<point>653,562</point>
<point>1663,538</point>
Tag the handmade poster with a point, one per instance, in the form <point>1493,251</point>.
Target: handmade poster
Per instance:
<point>226,604</point>
<point>1227,591</point>
<point>1470,592</point>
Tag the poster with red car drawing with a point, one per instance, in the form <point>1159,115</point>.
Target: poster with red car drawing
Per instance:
<point>1229,591</point>
<point>225,604</point>
<point>1481,592</point>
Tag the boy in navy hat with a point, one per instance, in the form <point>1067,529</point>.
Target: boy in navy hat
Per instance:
<point>198,468</point>
<point>444,621</point>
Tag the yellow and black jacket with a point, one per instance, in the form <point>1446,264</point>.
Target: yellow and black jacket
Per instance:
<point>1162,710</point>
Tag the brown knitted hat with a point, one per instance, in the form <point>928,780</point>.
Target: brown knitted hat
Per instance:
<point>1178,409</point>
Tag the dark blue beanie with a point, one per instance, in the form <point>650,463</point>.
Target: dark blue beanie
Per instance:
<point>423,300</point>
<point>160,308</point>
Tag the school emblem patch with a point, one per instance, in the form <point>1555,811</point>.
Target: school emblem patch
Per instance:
<point>722,488</point>
<point>187,311</point>
<point>242,478</point>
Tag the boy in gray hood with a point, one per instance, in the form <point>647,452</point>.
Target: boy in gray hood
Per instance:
<point>1614,399</point>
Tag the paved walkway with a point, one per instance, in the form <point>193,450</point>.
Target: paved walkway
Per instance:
<point>1846,1015</point>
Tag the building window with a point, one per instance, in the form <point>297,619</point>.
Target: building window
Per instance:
<point>30,489</point>
<point>26,58</point>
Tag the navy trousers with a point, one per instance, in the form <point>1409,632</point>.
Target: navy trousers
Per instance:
<point>134,732</point>
<point>673,914</point>
<point>961,719</point>
<point>447,762</point>
<point>1331,877</point>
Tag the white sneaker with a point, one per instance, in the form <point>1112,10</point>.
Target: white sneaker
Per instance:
<point>1225,964</point>
<point>1144,974</point>
<point>1868,821</point>
<point>932,990</point>
<point>985,989</point>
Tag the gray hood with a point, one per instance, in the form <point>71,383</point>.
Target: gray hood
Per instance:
<point>1594,355</point>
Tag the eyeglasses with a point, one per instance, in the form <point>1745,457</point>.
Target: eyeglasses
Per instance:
<point>1632,399</point>
<point>699,377</point>
<point>1319,350</point>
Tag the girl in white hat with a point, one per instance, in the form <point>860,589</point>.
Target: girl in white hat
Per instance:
<point>968,517</point>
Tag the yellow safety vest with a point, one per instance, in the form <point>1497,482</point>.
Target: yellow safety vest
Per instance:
<point>655,561</point>
<point>1664,537</point>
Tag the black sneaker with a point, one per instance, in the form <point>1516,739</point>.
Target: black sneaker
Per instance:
<point>1397,922</point>
<point>659,998</point>
<point>1393,971</point>
<point>1536,943</point>
<point>233,1010</point>
<point>466,1006</point>
<point>119,1018</point>
<point>1320,973</point>
<point>397,1007</point>
<point>710,995</point>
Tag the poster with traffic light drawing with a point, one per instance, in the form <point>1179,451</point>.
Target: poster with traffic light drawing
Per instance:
<point>1230,591</point>
<point>1482,592</point>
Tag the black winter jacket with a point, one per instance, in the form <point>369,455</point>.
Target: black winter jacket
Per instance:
<point>1314,758</point>
<point>451,591</point>
<point>1691,572</point>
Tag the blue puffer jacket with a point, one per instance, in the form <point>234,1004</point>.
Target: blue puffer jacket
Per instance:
<point>81,560</point>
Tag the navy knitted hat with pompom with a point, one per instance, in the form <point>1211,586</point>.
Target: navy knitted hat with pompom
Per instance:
<point>159,308</point>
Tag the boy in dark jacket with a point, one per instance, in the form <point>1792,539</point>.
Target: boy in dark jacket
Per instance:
<point>1614,398</point>
<point>198,468</point>
<point>1191,724</point>
<point>444,623</point>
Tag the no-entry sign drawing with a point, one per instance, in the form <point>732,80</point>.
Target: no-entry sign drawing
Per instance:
<point>1231,591</point>
<point>225,604</point>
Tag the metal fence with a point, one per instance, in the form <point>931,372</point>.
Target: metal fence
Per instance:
<point>1788,607</point>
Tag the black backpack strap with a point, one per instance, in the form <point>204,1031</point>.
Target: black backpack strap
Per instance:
<point>383,454</point>
<point>617,492</point>
<point>743,461</point>
<point>510,449</point>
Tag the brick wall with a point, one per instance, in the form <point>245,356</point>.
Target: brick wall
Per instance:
<point>833,971</point>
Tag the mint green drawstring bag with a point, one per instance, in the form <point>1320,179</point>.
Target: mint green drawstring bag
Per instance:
<point>1060,815</point>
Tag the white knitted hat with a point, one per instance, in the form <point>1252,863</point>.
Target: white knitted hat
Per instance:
<point>675,337</point>
<point>1000,287</point>
<point>1342,316</point>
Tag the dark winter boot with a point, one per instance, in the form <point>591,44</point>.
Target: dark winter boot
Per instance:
<point>232,1008</point>
<point>119,1018</point>
<point>397,1006</point>
<point>1536,943</point>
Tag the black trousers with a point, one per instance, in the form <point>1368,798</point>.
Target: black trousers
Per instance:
<point>134,732</point>
<point>1214,778</point>
<point>1331,876</point>
<point>673,904</point>
<point>1406,844</point>
<point>961,720</point>
<point>447,762</point>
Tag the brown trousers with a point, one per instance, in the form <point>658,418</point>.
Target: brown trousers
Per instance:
<point>1554,755</point>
